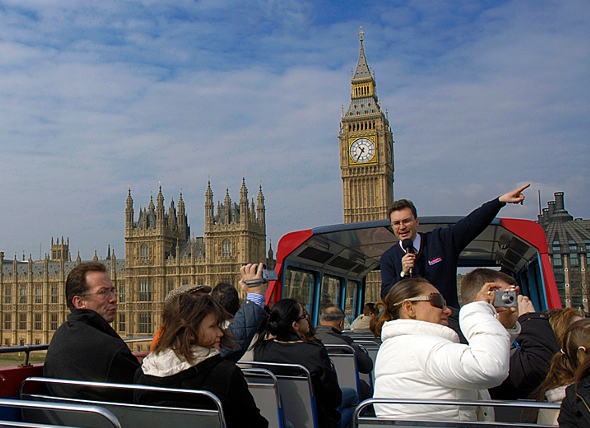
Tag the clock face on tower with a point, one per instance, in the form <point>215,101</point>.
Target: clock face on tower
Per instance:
<point>362,150</point>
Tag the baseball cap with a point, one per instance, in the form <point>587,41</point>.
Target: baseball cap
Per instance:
<point>187,289</point>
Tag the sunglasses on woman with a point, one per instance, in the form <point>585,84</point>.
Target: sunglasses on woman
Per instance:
<point>435,299</point>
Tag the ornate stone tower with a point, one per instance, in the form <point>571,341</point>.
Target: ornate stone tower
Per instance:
<point>366,150</point>
<point>60,251</point>
<point>234,236</point>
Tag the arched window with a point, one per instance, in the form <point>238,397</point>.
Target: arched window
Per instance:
<point>226,248</point>
<point>145,252</point>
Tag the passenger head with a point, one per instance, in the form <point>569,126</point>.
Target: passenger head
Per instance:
<point>369,309</point>
<point>412,298</point>
<point>572,363</point>
<point>188,321</point>
<point>333,317</point>
<point>560,320</point>
<point>192,289</point>
<point>475,280</point>
<point>227,296</point>
<point>287,317</point>
<point>404,219</point>
<point>88,286</point>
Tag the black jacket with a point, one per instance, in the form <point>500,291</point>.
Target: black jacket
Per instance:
<point>530,362</point>
<point>439,253</point>
<point>314,357</point>
<point>86,347</point>
<point>331,335</point>
<point>575,407</point>
<point>222,378</point>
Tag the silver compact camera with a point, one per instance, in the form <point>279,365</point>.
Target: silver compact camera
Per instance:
<point>505,299</point>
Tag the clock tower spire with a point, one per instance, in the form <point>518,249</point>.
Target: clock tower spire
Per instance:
<point>366,149</point>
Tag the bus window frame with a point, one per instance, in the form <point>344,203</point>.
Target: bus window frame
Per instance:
<point>318,275</point>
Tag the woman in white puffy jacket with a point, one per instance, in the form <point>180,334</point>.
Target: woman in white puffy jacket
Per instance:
<point>420,356</point>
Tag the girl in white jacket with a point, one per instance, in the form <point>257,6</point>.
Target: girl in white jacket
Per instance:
<point>421,357</point>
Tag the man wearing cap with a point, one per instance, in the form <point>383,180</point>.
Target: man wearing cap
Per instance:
<point>86,347</point>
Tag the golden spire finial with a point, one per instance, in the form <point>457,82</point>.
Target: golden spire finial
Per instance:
<point>361,33</point>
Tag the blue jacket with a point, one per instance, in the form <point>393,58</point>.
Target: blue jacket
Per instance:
<point>438,257</point>
<point>243,328</point>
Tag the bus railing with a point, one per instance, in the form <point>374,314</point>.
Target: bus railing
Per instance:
<point>360,419</point>
<point>27,349</point>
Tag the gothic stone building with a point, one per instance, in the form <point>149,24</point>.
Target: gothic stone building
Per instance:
<point>160,254</point>
<point>568,240</point>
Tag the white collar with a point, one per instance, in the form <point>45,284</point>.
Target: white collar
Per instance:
<point>417,242</point>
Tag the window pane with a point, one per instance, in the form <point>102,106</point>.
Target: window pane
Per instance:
<point>330,292</point>
<point>299,285</point>
<point>350,303</point>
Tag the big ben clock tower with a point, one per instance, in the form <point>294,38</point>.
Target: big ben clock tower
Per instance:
<point>366,150</point>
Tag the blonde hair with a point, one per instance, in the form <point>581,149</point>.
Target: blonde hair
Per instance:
<point>571,363</point>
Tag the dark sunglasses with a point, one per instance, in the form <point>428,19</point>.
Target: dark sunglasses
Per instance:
<point>435,299</point>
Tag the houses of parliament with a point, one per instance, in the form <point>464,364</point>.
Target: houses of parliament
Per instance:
<point>159,256</point>
<point>160,253</point>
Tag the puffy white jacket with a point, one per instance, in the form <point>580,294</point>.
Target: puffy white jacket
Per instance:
<point>423,360</point>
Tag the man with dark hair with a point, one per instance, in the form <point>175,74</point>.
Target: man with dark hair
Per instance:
<point>474,280</point>
<point>86,347</point>
<point>330,331</point>
<point>227,295</point>
<point>363,321</point>
<point>531,359</point>
<point>435,254</point>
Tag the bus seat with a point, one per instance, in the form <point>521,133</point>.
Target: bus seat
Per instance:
<point>264,387</point>
<point>95,415</point>
<point>363,419</point>
<point>344,360</point>
<point>129,415</point>
<point>296,391</point>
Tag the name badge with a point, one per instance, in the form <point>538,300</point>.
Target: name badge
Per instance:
<point>434,261</point>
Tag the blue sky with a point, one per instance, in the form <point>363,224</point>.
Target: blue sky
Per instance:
<point>99,95</point>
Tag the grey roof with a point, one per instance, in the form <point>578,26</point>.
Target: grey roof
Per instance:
<point>366,106</point>
<point>362,71</point>
<point>53,267</point>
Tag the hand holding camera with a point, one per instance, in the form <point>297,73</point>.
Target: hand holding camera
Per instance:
<point>255,278</point>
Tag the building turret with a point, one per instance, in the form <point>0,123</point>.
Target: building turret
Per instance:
<point>172,220</point>
<point>160,208</point>
<point>129,213</point>
<point>260,209</point>
<point>182,220</point>
<point>78,259</point>
<point>209,207</point>
<point>244,217</point>
<point>227,206</point>
<point>151,208</point>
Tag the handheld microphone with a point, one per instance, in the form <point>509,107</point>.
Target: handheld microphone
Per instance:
<point>408,246</point>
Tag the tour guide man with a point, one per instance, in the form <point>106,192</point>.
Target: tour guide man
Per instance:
<point>435,254</point>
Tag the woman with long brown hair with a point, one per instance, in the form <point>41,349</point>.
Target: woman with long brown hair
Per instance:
<point>574,342</point>
<point>187,357</point>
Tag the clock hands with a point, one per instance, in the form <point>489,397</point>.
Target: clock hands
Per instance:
<point>360,154</point>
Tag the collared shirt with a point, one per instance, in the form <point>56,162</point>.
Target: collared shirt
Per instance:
<point>417,243</point>
<point>259,299</point>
